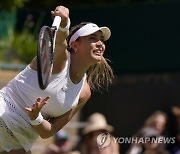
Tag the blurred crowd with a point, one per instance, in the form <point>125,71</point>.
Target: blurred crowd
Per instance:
<point>97,137</point>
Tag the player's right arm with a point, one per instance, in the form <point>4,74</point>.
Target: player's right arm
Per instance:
<point>60,53</point>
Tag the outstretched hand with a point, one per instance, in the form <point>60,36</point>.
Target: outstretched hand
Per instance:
<point>33,111</point>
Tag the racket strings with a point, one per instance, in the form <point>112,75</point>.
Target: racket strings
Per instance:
<point>45,56</point>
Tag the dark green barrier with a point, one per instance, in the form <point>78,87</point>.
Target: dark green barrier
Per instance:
<point>7,20</point>
<point>145,37</point>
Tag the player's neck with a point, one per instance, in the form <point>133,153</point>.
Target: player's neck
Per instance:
<point>77,70</point>
<point>75,74</point>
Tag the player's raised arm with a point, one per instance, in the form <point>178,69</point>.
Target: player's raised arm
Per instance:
<point>60,54</point>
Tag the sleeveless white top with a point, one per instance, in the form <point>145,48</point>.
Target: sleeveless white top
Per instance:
<point>22,92</point>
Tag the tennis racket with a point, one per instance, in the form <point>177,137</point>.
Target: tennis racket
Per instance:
<point>45,51</point>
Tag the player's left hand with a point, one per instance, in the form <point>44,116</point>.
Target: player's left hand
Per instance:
<point>33,111</point>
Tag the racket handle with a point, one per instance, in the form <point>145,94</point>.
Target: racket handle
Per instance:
<point>56,22</point>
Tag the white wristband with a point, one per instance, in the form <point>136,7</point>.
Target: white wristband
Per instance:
<point>38,120</point>
<point>67,26</point>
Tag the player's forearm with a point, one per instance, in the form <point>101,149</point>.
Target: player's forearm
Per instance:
<point>46,129</point>
<point>61,36</point>
<point>63,30</point>
<point>49,128</point>
<point>60,43</point>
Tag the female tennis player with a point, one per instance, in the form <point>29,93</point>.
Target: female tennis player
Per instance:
<point>27,112</point>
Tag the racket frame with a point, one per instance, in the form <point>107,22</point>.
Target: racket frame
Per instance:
<point>52,35</point>
<point>43,84</point>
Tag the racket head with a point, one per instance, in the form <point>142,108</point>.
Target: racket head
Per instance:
<point>44,57</point>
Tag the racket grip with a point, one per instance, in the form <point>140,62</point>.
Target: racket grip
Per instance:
<point>56,22</point>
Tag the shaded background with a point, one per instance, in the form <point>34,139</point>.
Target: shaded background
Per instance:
<point>145,37</point>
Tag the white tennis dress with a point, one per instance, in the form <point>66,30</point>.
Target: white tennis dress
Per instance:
<point>16,131</point>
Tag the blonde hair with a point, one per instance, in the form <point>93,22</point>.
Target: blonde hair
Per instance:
<point>150,120</point>
<point>99,74</point>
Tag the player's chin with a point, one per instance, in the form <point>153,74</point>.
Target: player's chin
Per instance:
<point>97,59</point>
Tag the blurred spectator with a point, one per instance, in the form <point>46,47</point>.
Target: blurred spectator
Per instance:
<point>97,125</point>
<point>147,142</point>
<point>152,146</point>
<point>157,122</point>
<point>175,148</point>
<point>62,144</point>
